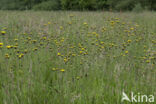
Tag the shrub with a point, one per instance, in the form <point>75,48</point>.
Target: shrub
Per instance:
<point>138,8</point>
<point>47,5</point>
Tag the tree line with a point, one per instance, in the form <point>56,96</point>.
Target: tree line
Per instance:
<point>116,5</point>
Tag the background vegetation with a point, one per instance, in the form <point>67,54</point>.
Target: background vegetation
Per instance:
<point>119,5</point>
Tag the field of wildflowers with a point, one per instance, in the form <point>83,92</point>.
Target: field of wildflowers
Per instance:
<point>76,57</point>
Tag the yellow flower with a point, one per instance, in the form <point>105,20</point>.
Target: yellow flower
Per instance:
<point>21,55</point>
<point>126,52</point>
<point>65,59</point>
<point>44,38</point>
<point>132,28</point>
<point>129,41</point>
<point>15,47</point>
<point>7,56</point>
<point>61,27</point>
<point>1,44</point>
<point>102,47</point>
<point>147,61</point>
<point>3,32</point>
<point>81,52</point>
<point>15,40</point>
<point>49,22</point>
<point>62,40</point>
<point>34,41</point>
<point>102,42</point>
<point>8,46</point>
<point>25,51</point>
<point>73,54</point>
<point>62,70</point>
<point>85,23</point>
<point>45,24</point>
<point>54,69</point>
<point>58,54</point>
<point>82,49</point>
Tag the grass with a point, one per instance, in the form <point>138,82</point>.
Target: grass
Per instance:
<point>76,57</point>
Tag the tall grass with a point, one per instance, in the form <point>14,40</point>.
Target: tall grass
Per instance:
<point>76,57</point>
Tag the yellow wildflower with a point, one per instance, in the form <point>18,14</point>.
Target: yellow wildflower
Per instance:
<point>3,32</point>
<point>58,54</point>
<point>54,69</point>
<point>8,46</point>
<point>62,70</point>
<point>7,56</point>
<point>126,52</point>
<point>147,61</point>
<point>129,41</point>
<point>1,44</point>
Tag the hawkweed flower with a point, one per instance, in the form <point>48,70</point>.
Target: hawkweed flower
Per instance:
<point>126,52</point>
<point>3,32</point>
<point>8,46</point>
<point>61,27</point>
<point>1,45</point>
<point>129,41</point>
<point>147,61</point>
<point>62,70</point>
<point>20,55</point>
<point>73,54</point>
<point>81,52</point>
<point>15,40</point>
<point>15,47</point>
<point>49,23</point>
<point>34,41</point>
<point>85,23</point>
<point>132,28</point>
<point>58,54</point>
<point>7,56</point>
<point>54,69</point>
<point>65,60</point>
<point>25,51</point>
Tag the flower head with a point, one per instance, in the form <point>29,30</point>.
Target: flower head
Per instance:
<point>1,44</point>
<point>8,46</point>
<point>58,54</point>
<point>3,32</point>
<point>62,70</point>
<point>7,56</point>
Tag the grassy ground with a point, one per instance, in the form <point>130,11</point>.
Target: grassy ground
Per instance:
<point>76,57</point>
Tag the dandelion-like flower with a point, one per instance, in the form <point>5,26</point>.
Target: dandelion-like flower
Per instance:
<point>62,70</point>
<point>1,45</point>
<point>8,47</point>
<point>3,32</point>
<point>58,54</point>
<point>7,56</point>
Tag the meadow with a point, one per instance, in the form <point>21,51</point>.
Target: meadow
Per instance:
<point>67,57</point>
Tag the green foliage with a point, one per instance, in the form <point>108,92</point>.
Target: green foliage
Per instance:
<point>12,5</point>
<point>47,5</point>
<point>125,5</point>
<point>76,4</point>
<point>79,4</point>
<point>87,4</point>
<point>102,4</point>
<point>138,8</point>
